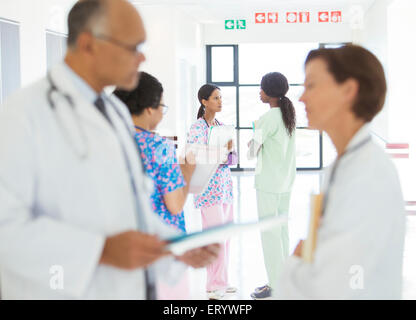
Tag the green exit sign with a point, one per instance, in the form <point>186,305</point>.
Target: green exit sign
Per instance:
<point>235,24</point>
<point>241,24</point>
<point>229,24</point>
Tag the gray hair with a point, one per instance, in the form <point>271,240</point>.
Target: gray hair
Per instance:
<point>86,15</point>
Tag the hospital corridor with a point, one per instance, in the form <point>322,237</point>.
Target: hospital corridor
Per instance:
<point>189,152</point>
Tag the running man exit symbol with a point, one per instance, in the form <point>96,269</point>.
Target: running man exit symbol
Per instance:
<point>304,17</point>
<point>241,24</point>
<point>272,17</point>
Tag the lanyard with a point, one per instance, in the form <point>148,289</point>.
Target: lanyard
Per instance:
<point>332,176</point>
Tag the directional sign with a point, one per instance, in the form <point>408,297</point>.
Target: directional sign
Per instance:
<point>323,16</point>
<point>272,17</point>
<point>336,16</point>
<point>260,17</point>
<point>291,17</point>
<point>294,17</point>
<point>241,24</point>
<point>304,17</point>
<point>229,24</point>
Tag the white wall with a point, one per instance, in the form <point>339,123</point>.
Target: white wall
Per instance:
<point>34,18</point>
<point>401,70</point>
<point>174,54</point>
<point>387,26</point>
<point>373,36</point>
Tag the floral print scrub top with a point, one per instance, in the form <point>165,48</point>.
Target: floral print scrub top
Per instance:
<point>160,163</point>
<point>220,187</point>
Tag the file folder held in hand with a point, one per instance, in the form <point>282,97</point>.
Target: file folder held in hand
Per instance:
<point>180,244</point>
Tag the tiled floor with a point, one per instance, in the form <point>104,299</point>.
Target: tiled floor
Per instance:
<point>246,270</point>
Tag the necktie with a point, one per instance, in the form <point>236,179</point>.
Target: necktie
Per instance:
<point>99,103</point>
<point>148,272</point>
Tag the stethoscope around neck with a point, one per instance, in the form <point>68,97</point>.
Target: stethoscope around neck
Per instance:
<point>81,153</point>
<point>216,122</point>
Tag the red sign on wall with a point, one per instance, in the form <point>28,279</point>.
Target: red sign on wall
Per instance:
<point>323,16</point>
<point>260,17</point>
<point>336,16</point>
<point>298,17</point>
<point>291,17</point>
<point>272,17</point>
<point>304,17</point>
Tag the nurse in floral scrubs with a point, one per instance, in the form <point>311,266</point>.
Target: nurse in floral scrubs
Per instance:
<point>216,202</point>
<point>171,180</point>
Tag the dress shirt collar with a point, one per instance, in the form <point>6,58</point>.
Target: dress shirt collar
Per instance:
<point>81,85</point>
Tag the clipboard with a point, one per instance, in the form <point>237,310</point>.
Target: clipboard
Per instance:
<point>178,245</point>
<point>309,245</point>
<point>220,135</point>
<point>208,159</point>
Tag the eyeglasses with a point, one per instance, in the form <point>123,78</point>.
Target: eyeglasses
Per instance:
<point>165,108</point>
<point>135,49</point>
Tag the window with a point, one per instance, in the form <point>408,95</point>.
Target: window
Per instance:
<point>239,79</point>
<point>55,47</point>
<point>9,58</point>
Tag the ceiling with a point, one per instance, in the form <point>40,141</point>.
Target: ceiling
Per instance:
<point>214,11</point>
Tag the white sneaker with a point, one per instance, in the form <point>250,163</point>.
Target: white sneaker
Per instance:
<point>215,295</point>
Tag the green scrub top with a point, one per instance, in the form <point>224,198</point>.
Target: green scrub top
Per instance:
<point>276,159</point>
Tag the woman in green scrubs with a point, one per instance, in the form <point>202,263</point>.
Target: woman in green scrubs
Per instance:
<point>274,145</point>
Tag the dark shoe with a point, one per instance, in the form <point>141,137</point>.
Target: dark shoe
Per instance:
<point>258,289</point>
<point>264,292</point>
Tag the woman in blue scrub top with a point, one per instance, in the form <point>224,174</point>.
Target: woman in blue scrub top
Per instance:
<point>171,180</point>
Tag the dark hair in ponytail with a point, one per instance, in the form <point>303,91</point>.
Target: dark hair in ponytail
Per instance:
<point>203,94</point>
<point>275,85</point>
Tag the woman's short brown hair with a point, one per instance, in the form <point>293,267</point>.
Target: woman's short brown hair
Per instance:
<point>352,61</point>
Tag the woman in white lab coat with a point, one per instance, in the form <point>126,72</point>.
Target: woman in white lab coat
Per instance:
<point>361,233</point>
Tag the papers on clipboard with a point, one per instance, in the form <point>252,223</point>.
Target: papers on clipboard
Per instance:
<point>208,159</point>
<point>309,245</point>
<point>220,135</point>
<point>180,244</point>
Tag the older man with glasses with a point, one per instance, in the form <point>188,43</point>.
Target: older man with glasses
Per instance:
<point>75,215</point>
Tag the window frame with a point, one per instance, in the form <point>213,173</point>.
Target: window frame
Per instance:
<point>237,86</point>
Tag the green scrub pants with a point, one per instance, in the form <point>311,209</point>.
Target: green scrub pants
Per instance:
<point>275,241</point>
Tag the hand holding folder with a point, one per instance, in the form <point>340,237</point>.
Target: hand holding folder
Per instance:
<point>180,244</point>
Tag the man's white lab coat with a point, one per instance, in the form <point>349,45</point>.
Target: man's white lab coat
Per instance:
<point>56,208</point>
<point>359,249</point>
